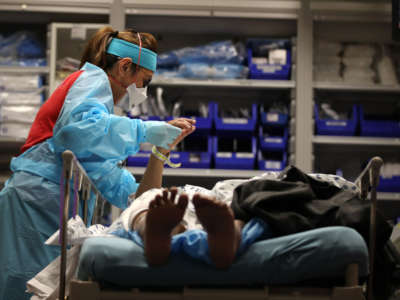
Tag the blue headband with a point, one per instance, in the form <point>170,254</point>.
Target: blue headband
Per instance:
<point>121,48</point>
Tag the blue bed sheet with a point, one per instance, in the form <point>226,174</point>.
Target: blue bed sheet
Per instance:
<point>314,254</point>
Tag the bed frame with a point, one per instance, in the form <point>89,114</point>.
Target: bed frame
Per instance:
<point>74,173</point>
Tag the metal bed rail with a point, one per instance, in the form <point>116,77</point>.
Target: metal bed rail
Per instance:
<point>83,188</point>
<point>368,182</point>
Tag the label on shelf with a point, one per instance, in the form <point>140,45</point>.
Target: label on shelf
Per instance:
<point>235,120</point>
<point>194,158</point>
<point>336,123</point>
<point>244,155</point>
<point>273,140</point>
<point>224,154</point>
<point>270,117</point>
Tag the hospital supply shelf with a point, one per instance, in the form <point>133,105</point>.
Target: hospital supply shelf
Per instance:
<point>24,70</point>
<point>240,83</point>
<point>348,87</point>
<point>355,141</point>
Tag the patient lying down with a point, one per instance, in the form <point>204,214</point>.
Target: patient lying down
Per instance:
<point>163,219</point>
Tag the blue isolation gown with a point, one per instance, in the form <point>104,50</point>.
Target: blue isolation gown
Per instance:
<point>29,202</point>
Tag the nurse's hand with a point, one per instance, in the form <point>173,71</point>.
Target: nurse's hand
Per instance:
<point>187,126</point>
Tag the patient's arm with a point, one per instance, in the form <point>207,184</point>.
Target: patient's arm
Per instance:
<point>152,177</point>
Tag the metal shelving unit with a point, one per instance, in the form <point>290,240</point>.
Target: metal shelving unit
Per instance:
<point>353,21</point>
<point>245,19</point>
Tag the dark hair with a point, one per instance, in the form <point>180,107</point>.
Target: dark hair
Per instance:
<point>95,51</point>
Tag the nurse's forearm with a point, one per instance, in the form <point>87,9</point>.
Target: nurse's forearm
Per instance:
<point>152,177</point>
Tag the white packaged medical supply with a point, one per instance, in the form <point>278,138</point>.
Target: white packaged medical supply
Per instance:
<point>22,98</point>
<point>359,62</point>
<point>18,113</point>
<point>277,56</point>
<point>386,71</point>
<point>328,48</point>
<point>327,76</point>
<point>20,82</point>
<point>333,68</point>
<point>359,75</point>
<point>327,60</point>
<point>359,50</point>
<point>15,129</point>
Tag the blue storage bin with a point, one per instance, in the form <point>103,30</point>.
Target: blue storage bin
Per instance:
<point>378,126</point>
<point>271,161</point>
<point>225,157</point>
<point>203,124</point>
<point>267,70</point>
<point>140,159</point>
<point>273,138</point>
<point>235,126</point>
<point>197,152</point>
<point>389,185</point>
<point>336,127</point>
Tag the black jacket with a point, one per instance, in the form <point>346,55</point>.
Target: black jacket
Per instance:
<point>297,202</point>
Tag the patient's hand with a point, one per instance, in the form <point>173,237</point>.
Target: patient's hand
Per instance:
<point>187,126</point>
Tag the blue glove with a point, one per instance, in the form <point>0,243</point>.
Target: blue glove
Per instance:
<point>160,133</point>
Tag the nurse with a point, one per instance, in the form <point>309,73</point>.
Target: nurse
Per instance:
<point>79,116</point>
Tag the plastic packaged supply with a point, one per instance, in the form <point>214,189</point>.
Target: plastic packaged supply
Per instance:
<point>18,113</point>
<point>359,50</point>
<point>333,68</point>
<point>20,82</point>
<point>329,72</point>
<point>22,98</point>
<point>328,48</point>
<point>386,72</point>
<point>348,78</point>
<point>359,62</point>
<point>15,129</point>
<point>221,71</point>
<point>327,76</point>
<point>327,60</point>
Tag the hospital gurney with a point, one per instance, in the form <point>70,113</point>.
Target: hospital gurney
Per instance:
<point>356,260</point>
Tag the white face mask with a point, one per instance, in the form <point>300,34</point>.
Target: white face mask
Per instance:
<point>136,95</point>
<point>133,97</point>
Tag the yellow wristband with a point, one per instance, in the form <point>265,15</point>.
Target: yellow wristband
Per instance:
<point>163,158</point>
